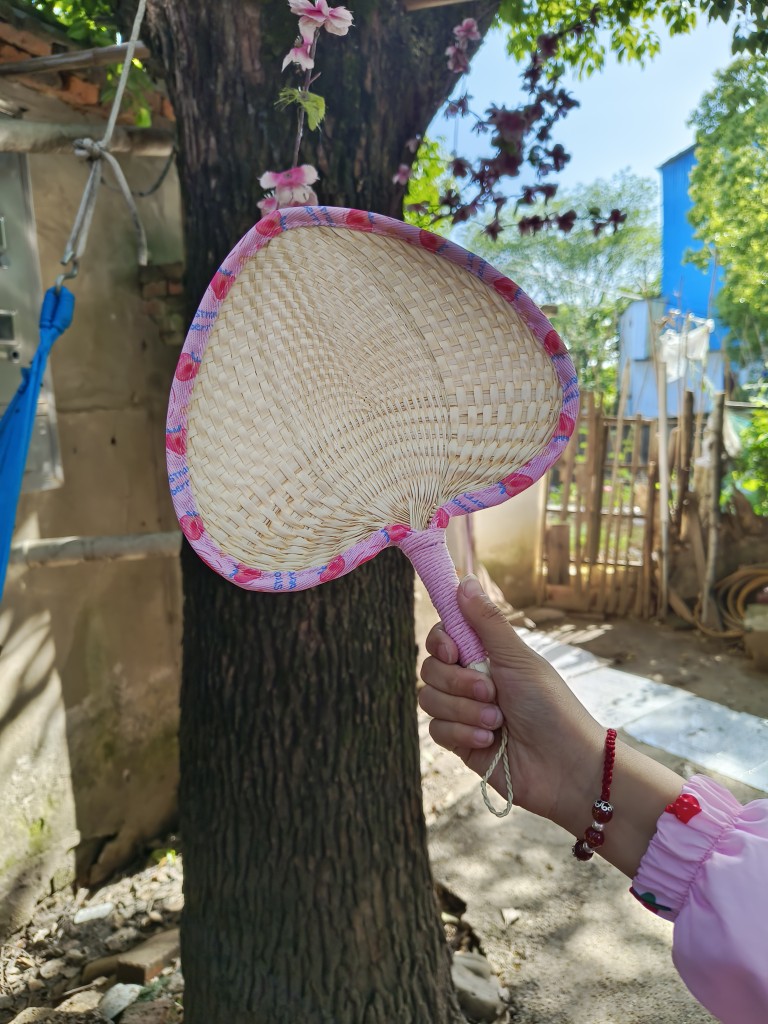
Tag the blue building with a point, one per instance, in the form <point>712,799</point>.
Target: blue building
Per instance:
<point>685,305</point>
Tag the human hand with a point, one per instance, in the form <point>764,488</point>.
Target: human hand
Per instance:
<point>555,746</point>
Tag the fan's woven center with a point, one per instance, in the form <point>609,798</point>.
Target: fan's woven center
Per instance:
<point>352,381</point>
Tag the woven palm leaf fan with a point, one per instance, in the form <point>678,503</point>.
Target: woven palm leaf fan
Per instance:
<point>350,382</point>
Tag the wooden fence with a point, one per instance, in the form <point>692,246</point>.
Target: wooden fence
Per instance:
<point>607,529</point>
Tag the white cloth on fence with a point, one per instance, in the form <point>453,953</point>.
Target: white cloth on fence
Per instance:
<point>678,348</point>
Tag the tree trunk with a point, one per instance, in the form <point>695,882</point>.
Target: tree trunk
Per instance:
<point>308,889</point>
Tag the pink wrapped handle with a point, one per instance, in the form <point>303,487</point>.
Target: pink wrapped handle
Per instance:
<point>432,560</point>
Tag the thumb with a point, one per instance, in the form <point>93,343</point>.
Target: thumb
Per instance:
<point>497,636</point>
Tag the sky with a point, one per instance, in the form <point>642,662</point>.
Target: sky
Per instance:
<point>630,117</point>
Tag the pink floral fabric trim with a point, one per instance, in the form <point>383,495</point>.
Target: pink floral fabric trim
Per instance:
<point>260,235</point>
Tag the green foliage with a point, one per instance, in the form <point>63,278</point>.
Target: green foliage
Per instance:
<point>94,23</point>
<point>312,104</point>
<point>750,472</point>
<point>729,189</point>
<point>90,22</point>
<point>627,29</point>
<point>430,179</point>
<point>590,280</point>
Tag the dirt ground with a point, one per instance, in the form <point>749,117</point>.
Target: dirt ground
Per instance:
<point>565,939</point>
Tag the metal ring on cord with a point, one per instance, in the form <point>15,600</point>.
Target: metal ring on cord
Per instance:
<point>68,275</point>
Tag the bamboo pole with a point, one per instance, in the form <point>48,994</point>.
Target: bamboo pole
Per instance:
<point>566,473</point>
<point>663,463</point>
<point>643,604</point>
<point>624,599</point>
<point>614,510</point>
<point>584,415</point>
<point>543,580</point>
<point>710,616</point>
<point>595,521</point>
<point>64,551</point>
<point>686,457</point>
<point>74,59</point>
<point>36,137</point>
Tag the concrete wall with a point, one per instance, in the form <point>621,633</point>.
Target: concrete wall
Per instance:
<point>89,665</point>
<point>508,542</point>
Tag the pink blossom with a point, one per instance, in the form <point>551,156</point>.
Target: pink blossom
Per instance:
<point>268,205</point>
<point>304,196</point>
<point>467,30</point>
<point>291,188</point>
<point>457,60</point>
<point>302,55</point>
<point>292,178</point>
<point>402,175</point>
<point>314,16</point>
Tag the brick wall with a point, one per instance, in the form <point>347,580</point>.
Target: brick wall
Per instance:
<point>23,37</point>
<point>162,294</point>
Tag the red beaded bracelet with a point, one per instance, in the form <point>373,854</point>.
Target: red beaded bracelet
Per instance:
<point>602,810</point>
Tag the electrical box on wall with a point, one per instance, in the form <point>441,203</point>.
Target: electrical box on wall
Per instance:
<point>21,296</point>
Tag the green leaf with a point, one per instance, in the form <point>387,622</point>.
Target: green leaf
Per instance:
<point>312,104</point>
<point>143,117</point>
<point>287,96</point>
<point>314,107</point>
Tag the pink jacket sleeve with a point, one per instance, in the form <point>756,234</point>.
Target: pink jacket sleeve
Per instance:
<point>706,869</point>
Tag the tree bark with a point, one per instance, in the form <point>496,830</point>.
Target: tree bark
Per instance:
<point>308,889</point>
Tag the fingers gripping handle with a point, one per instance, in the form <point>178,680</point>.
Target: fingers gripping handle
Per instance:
<point>428,552</point>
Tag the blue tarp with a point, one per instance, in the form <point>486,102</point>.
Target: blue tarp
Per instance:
<point>19,418</point>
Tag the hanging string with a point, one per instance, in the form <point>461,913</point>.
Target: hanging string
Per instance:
<point>97,151</point>
<point>146,192</point>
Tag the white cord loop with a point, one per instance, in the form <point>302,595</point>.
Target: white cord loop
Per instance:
<point>97,151</point>
<point>501,755</point>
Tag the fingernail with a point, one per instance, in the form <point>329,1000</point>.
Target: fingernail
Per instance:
<point>491,717</point>
<point>483,737</point>
<point>443,653</point>
<point>482,690</point>
<point>470,586</point>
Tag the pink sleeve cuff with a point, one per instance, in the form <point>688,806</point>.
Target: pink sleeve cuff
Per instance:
<point>686,834</point>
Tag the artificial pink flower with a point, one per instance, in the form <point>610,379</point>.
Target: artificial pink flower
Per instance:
<point>292,188</point>
<point>313,16</point>
<point>402,175</point>
<point>268,205</point>
<point>304,196</point>
<point>304,175</point>
<point>458,61</point>
<point>302,55</point>
<point>467,30</point>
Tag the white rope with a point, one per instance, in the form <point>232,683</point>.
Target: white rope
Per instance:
<point>97,151</point>
<point>501,755</point>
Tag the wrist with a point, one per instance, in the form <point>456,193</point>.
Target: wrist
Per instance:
<point>580,777</point>
<point>641,789</point>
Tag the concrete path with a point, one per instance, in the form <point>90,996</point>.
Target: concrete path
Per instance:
<point>717,739</point>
